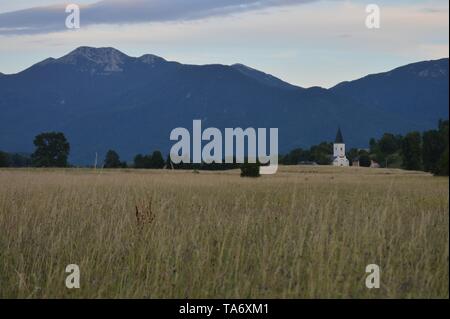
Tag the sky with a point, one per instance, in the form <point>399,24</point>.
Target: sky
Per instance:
<point>305,42</point>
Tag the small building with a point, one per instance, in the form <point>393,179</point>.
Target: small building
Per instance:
<point>339,158</point>
<point>307,163</point>
<point>374,164</point>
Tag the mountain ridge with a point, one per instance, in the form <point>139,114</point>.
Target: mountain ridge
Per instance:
<point>103,98</point>
<point>151,58</point>
<point>419,88</point>
<point>408,66</point>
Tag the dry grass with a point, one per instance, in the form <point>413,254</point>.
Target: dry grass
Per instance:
<point>304,233</point>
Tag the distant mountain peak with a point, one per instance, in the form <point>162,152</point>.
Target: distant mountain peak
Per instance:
<point>109,58</point>
<point>151,59</point>
<point>95,53</point>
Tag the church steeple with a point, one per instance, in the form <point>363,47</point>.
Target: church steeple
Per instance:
<point>339,150</point>
<point>339,138</point>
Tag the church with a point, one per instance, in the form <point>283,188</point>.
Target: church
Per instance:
<point>339,158</point>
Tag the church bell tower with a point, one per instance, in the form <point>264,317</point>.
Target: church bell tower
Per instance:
<point>339,158</point>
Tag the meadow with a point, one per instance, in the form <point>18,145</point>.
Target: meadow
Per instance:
<point>306,232</point>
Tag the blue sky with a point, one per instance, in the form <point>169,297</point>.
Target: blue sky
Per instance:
<point>305,42</point>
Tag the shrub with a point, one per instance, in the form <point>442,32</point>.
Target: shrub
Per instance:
<point>250,170</point>
<point>364,159</point>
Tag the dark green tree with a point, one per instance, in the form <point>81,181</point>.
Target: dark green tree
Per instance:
<point>433,146</point>
<point>156,160</point>
<point>295,156</point>
<point>112,160</point>
<point>20,160</point>
<point>442,167</point>
<point>321,154</point>
<point>386,149</point>
<point>5,160</point>
<point>388,144</point>
<point>412,151</point>
<point>352,155</point>
<point>52,150</point>
<point>373,144</point>
<point>141,161</point>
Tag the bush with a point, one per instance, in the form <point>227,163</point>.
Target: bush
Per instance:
<point>250,170</point>
<point>364,160</point>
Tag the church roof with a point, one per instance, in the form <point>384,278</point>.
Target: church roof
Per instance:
<point>339,138</point>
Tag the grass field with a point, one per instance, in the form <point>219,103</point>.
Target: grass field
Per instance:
<point>306,232</point>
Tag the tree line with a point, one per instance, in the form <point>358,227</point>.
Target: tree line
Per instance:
<point>427,151</point>
<point>52,150</point>
<point>317,154</point>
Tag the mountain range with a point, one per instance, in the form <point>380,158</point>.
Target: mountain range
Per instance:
<point>104,99</point>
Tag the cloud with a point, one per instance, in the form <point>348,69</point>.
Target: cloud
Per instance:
<point>52,18</point>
